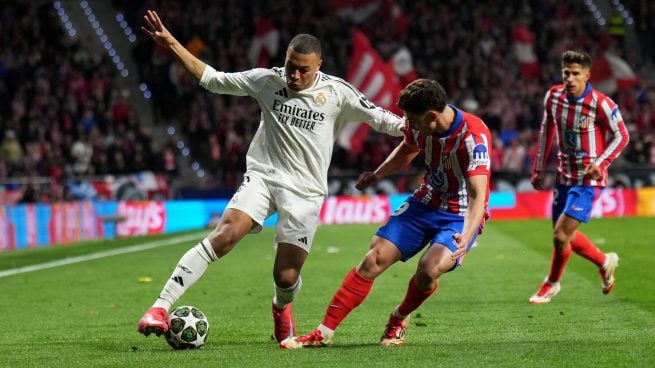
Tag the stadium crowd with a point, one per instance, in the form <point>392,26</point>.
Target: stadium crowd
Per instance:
<point>468,45</point>
<point>64,116</point>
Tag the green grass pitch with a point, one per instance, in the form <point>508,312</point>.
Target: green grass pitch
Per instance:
<point>84,314</point>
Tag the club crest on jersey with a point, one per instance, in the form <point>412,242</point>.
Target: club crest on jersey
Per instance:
<point>480,156</point>
<point>320,99</point>
<point>585,122</point>
<point>437,178</point>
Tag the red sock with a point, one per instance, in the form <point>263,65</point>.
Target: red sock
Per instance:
<point>414,297</point>
<point>352,293</point>
<point>560,258</point>
<point>583,246</point>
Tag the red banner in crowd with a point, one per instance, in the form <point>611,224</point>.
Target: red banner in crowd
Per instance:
<point>375,79</point>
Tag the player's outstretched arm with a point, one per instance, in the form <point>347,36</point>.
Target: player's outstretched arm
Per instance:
<point>156,30</point>
<point>477,187</point>
<point>402,155</point>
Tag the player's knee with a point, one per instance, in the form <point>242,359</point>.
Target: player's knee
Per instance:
<point>560,238</point>
<point>372,265</point>
<point>428,271</point>
<point>286,278</point>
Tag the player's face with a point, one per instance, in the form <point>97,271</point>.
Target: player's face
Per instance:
<point>424,123</point>
<point>301,69</point>
<point>575,78</point>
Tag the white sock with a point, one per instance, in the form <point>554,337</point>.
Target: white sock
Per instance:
<point>325,332</point>
<point>397,314</point>
<point>189,269</point>
<point>284,296</point>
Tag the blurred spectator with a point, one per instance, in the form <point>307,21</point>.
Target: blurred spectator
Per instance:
<point>81,188</point>
<point>638,151</point>
<point>12,151</point>
<point>514,156</point>
<point>30,194</point>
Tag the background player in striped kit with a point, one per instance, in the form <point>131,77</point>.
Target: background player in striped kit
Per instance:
<point>302,110</point>
<point>591,134</point>
<point>445,214</point>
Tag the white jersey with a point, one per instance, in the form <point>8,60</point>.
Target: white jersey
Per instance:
<point>294,142</point>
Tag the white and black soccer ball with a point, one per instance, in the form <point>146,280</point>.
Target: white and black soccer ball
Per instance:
<point>187,328</point>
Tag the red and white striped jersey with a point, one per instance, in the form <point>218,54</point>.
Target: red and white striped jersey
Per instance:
<point>589,129</point>
<point>450,158</point>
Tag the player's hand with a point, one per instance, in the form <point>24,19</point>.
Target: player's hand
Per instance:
<point>366,179</point>
<point>592,171</point>
<point>156,30</point>
<point>537,180</point>
<point>461,243</point>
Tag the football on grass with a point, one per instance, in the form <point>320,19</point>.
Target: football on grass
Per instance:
<point>187,328</point>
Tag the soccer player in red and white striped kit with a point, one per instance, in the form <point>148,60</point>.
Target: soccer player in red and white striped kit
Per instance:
<point>444,215</point>
<point>591,134</point>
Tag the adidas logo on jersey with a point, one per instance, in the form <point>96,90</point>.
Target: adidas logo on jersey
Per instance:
<point>282,92</point>
<point>303,240</point>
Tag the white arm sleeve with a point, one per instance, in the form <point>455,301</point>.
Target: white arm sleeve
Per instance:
<point>246,83</point>
<point>358,108</point>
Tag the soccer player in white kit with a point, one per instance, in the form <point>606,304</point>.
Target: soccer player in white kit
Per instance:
<point>302,111</point>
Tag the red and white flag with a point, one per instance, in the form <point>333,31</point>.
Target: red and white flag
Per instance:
<point>610,73</point>
<point>264,44</point>
<point>376,80</point>
<point>403,65</point>
<point>524,51</point>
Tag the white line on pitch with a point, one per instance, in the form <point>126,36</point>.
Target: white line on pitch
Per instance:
<point>103,254</point>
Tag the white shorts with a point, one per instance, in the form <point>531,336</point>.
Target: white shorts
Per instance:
<point>298,215</point>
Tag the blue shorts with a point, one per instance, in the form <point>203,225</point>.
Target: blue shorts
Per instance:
<point>414,225</point>
<point>574,201</point>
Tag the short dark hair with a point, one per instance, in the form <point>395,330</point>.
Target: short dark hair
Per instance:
<point>304,43</point>
<point>422,95</point>
<point>576,57</point>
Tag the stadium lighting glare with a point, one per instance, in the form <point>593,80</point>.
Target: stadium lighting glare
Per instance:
<point>64,19</point>
<point>623,11</point>
<point>170,130</point>
<point>131,37</point>
<point>127,30</point>
<point>103,38</point>
<point>593,8</point>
